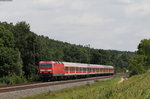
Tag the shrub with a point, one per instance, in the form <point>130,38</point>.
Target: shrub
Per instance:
<point>14,79</point>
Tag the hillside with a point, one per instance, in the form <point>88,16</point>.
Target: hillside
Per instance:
<point>136,87</point>
<point>21,50</point>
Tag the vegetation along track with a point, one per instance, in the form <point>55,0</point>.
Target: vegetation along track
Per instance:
<point>10,88</point>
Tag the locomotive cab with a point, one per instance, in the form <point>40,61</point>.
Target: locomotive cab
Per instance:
<point>50,69</point>
<point>45,68</point>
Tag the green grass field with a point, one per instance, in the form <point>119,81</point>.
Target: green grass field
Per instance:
<point>136,87</point>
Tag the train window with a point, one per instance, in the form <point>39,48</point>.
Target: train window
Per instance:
<point>66,68</point>
<point>87,69</point>
<point>80,68</point>
<point>102,69</point>
<point>84,69</point>
<point>46,65</point>
<point>72,69</point>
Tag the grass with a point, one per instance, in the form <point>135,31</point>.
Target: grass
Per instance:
<point>75,92</point>
<point>136,87</point>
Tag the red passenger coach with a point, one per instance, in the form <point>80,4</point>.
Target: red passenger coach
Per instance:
<point>54,69</point>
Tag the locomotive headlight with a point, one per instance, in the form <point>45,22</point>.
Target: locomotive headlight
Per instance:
<point>42,69</point>
<point>49,70</point>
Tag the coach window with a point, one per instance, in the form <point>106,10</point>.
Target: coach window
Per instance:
<point>84,69</point>
<point>102,69</point>
<point>66,68</point>
<point>80,68</point>
<point>75,68</point>
<point>72,69</point>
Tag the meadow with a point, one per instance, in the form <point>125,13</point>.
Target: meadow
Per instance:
<point>136,87</point>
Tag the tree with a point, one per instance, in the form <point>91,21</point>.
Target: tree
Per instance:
<point>136,64</point>
<point>10,60</point>
<point>144,47</point>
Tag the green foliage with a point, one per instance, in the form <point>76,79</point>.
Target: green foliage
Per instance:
<point>136,64</point>
<point>10,60</point>
<point>33,77</point>
<point>21,50</point>
<point>144,47</point>
<point>141,62</point>
<point>13,79</point>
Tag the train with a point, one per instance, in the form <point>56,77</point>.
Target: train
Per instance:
<point>51,70</point>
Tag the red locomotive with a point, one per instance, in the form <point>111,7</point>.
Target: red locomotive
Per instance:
<point>57,70</point>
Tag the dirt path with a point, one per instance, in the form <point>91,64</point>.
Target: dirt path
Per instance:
<point>122,79</point>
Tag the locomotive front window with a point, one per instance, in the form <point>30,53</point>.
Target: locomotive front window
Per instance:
<point>46,65</point>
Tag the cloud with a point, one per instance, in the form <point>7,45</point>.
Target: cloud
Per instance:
<point>139,9</point>
<point>84,19</point>
<point>49,2</point>
<point>105,24</point>
<point>125,1</point>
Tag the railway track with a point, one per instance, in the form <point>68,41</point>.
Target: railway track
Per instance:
<point>17,87</point>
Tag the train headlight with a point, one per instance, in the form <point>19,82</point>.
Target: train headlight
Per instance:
<point>49,70</point>
<point>42,69</point>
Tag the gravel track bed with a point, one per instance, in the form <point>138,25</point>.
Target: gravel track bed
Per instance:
<point>34,91</point>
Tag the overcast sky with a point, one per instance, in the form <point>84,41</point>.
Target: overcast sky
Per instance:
<point>104,24</point>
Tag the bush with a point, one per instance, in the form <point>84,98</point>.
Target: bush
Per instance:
<point>137,65</point>
<point>14,79</point>
<point>33,77</point>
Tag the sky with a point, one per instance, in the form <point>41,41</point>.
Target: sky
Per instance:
<point>104,24</point>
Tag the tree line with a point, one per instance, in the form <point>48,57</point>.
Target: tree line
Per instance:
<point>21,50</point>
<point>140,63</point>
